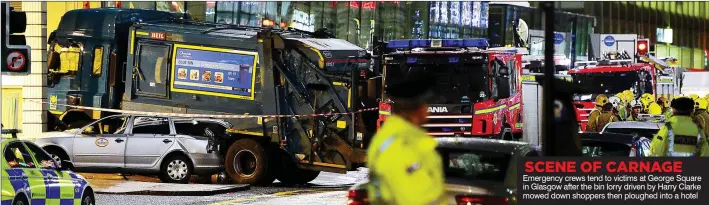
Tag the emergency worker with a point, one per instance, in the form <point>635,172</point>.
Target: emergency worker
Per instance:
<point>694,97</point>
<point>700,115</point>
<point>654,109</point>
<point>606,116</point>
<point>618,107</point>
<point>680,136</point>
<point>600,101</point>
<point>629,96</point>
<point>662,101</point>
<point>647,101</point>
<point>636,107</point>
<point>404,165</point>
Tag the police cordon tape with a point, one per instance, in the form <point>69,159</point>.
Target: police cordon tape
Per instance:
<point>224,116</point>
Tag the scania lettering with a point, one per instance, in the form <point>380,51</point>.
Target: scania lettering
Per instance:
<point>168,65</point>
<point>438,109</point>
<point>477,90</point>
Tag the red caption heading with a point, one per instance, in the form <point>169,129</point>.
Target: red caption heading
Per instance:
<point>596,166</point>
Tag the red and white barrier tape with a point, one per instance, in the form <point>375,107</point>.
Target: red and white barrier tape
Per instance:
<point>223,116</point>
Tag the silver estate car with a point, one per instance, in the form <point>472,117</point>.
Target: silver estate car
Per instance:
<point>173,148</point>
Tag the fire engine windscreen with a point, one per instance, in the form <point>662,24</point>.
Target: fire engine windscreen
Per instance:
<point>611,83</point>
<point>455,83</point>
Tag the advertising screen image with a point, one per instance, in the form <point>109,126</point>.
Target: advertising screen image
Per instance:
<point>212,71</point>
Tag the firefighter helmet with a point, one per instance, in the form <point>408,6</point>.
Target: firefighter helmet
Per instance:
<point>601,100</point>
<point>628,95</point>
<point>616,101</point>
<point>694,97</point>
<point>663,102</point>
<point>636,103</point>
<point>654,109</point>
<point>700,103</point>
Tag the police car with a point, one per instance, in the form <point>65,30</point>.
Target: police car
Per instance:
<point>31,176</point>
<point>623,138</point>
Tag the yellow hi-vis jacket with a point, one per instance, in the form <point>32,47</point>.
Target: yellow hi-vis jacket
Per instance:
<point>701,116</point>
<point>679,137</point>
<point>404,167</point>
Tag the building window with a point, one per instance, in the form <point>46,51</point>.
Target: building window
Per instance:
<point>171,6</point>
<point>251,13</point>
<point>198,11</point>
<point>225,12</point>
<point>150,5</point>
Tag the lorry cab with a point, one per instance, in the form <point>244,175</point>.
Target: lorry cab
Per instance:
<point>85,56</point>
<point>477,90</point>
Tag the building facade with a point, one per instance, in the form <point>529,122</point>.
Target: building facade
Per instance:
<point>675,29</point>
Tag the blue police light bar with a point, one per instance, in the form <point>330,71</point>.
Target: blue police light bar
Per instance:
<point>447,43</point>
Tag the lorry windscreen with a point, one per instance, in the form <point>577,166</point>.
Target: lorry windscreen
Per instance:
<point>455,83</point>
<point>611,83</point>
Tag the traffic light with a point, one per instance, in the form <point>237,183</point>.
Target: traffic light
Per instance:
<point>643,47</point>
<point>15,52</point>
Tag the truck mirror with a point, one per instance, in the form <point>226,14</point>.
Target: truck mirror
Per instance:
<point>112,69</point>
<point>53,60</point>
<point>503,87</point>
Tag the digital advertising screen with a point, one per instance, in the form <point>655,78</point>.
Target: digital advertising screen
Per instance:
<point>467,13</point>
<point>214,71</point>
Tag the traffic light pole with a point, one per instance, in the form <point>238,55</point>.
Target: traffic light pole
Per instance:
<point>15,52</point>
<point>549,147</point>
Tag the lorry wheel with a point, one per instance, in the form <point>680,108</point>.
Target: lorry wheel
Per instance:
<point>246,162</point>
<point>291,174</point>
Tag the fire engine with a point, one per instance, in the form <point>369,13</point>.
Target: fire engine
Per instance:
<point>478,89</point>
<point>619,71</point>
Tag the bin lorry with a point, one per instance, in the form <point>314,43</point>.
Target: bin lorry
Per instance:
<point>148,61</point>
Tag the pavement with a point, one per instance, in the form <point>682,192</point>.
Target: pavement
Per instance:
<point>326,189</point>
<point>146,185</point>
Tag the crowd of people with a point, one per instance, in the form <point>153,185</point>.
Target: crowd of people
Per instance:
<point>685,128</point>
<point>625,107</point>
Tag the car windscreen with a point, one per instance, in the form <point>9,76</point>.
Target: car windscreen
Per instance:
<point>591,148</point>
<point>455,83</point>
<point>647,133</point>
<point>472,165</point>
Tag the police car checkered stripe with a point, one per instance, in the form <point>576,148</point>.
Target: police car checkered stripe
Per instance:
<point>51,193</point>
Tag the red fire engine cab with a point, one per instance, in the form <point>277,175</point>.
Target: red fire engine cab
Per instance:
<point>478,91</point>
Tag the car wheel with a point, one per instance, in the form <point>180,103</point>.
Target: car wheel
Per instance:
<point>88,198</point>
<point>247,162</point>
<point>176,169</point>
<point>21,200</point>
<point>58,156</point>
